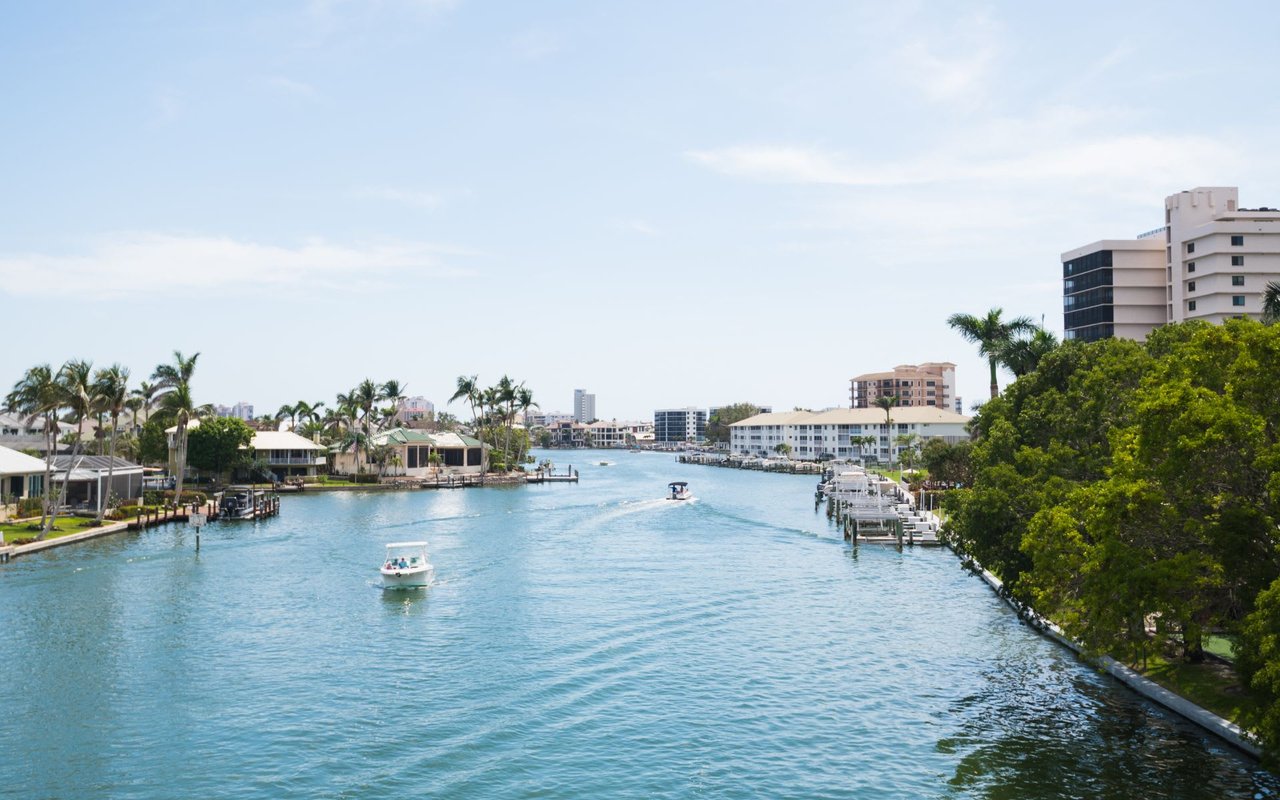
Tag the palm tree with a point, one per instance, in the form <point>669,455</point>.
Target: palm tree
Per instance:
<point>365,396</point>
<point>75,381</point>
<point>886,402</point>
<point>35,396</point>
<point>147,393</point>
<point>505,395</point>
<point>907,444</point>
<point>862,442</point>
<point>469,390</point>
<point>524,402</point>
<point>1022,356</point>
<point>991,334</point>
<point>393,390</point>
<point>111,387</point>
<point>175,396</point>
<point>1271,303</point>
<point>289,411</point>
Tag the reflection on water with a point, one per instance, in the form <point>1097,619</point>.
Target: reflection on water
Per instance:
<point>579,641</point>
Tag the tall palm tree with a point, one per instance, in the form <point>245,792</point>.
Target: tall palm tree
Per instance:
<point>365,396</point>
<point>37,396</point>
<point>523,404</point>
<point>1271,303</point>
<point>393,390</point>
<point>289,411</point>
<point>111,387</point>
<point>886,402</point>
<point>469,390</point>
<point>907,444</point>
<point>1022,356</point>
<point>505,397</point>
<point>147,393</point>
<point>75,380</point>
<point>175,396</point>
<point>992,335</point>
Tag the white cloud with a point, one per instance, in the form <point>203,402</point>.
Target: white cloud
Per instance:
<point>416,198</point>
<point>137,264</point>
<point>642,227</point>
<point>292,87</point>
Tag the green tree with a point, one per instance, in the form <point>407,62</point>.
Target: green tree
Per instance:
<point>783,449</point>
<point>111,392</point>
<point>718,426</point>
<point>886,403</point>
<point>1022,355</point>
<point>992,334</point>
<point>37,397</point>
<point>153,444</point>
<point>219,444</point>
<point>176,400</point>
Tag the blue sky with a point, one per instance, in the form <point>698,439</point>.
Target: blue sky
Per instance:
<point>664,203</point>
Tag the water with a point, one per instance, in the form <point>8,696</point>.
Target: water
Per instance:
<point>584,640</point>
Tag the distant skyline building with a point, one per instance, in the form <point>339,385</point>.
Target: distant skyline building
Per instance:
<point>241,410</point>
<point>1211,260</point>
<point>679,425</point>
<point>929,384</point>
<point>584,406</point>
<point>415,408</point>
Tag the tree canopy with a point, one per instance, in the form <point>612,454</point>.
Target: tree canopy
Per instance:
<point>718,424</point>
<point>215,445</point>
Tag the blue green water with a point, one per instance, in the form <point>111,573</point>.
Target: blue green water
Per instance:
<point>584,640</point>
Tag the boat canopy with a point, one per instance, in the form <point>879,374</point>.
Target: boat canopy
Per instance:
<point>406,544</point>
<point>674,484</point>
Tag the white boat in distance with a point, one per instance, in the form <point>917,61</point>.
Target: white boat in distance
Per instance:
<point>406,566</point>
<point>679,491</point>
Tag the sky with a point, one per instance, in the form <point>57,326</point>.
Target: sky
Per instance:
<point>664,203</point>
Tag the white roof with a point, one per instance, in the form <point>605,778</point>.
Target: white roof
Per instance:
<point>14,463</point>
<point>406,544</point>
<point>857,416</point>
<point>282,440</point>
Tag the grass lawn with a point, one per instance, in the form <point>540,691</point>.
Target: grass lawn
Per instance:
<point>1210,684</point>
<point>1220,646</point>
<point>65,527</point>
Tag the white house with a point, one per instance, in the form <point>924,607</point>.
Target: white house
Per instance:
<point>21,476</point>
<point>285,453</point>
<point>412,452</point>
<point>827,434</point>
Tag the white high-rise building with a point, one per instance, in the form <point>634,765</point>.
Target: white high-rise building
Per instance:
<point>584,406</point>
<point>1211,260</point>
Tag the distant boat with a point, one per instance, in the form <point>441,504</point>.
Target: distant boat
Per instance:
<point>679,491</point>
<point>606,463</point>
<point>406,566</point>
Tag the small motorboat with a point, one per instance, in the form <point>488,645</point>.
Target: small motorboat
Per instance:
<point>240,504</point>
<point>679,491</point>
<point>406,566</point>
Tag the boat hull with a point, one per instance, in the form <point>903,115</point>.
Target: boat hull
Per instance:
<point>407,578</point>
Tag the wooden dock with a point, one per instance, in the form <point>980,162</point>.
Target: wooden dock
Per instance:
<point>570,476</point>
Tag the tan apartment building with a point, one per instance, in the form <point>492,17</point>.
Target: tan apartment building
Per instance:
<point>931,384</point>
<point>1211,260</point>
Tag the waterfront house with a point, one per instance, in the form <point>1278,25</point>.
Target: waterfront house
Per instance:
<point>85,479</point>
<point>20,433</point>
<point>826,434</point>
<point>285,453</point>
<point>409,453</point>
<point>21,476</point>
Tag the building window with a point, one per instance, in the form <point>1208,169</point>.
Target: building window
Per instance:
<point>1191,286</point>
<point>1237,241</point>
<point>1237,280</point>
<point>1191,305</point>
<point>1237,261</point>
<point>1191,266</point>
<point>1237,299</point>
<point>1191,247</point>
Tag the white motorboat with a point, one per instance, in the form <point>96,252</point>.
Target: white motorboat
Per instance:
<point>679,491</point>
<point>406,566</point>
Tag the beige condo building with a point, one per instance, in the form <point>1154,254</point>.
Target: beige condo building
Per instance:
<point>930,384</point>
<point>1210,260</point>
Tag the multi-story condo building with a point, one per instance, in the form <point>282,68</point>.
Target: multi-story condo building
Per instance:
<point>1210,260</point>
<point>673,425</point>
<point>545,419</point>
<point>931,384</point>
<point>584,406</point>
<point>411,409</point>
<point>834,433</point>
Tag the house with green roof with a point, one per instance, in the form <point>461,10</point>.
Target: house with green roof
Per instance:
<point>417,453</point>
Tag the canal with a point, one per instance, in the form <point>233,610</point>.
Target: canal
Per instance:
<point>588,640</point>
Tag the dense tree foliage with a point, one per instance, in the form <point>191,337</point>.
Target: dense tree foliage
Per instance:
<point>215,445</point>
<point>718,425</point>
<point>1129,492</point>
